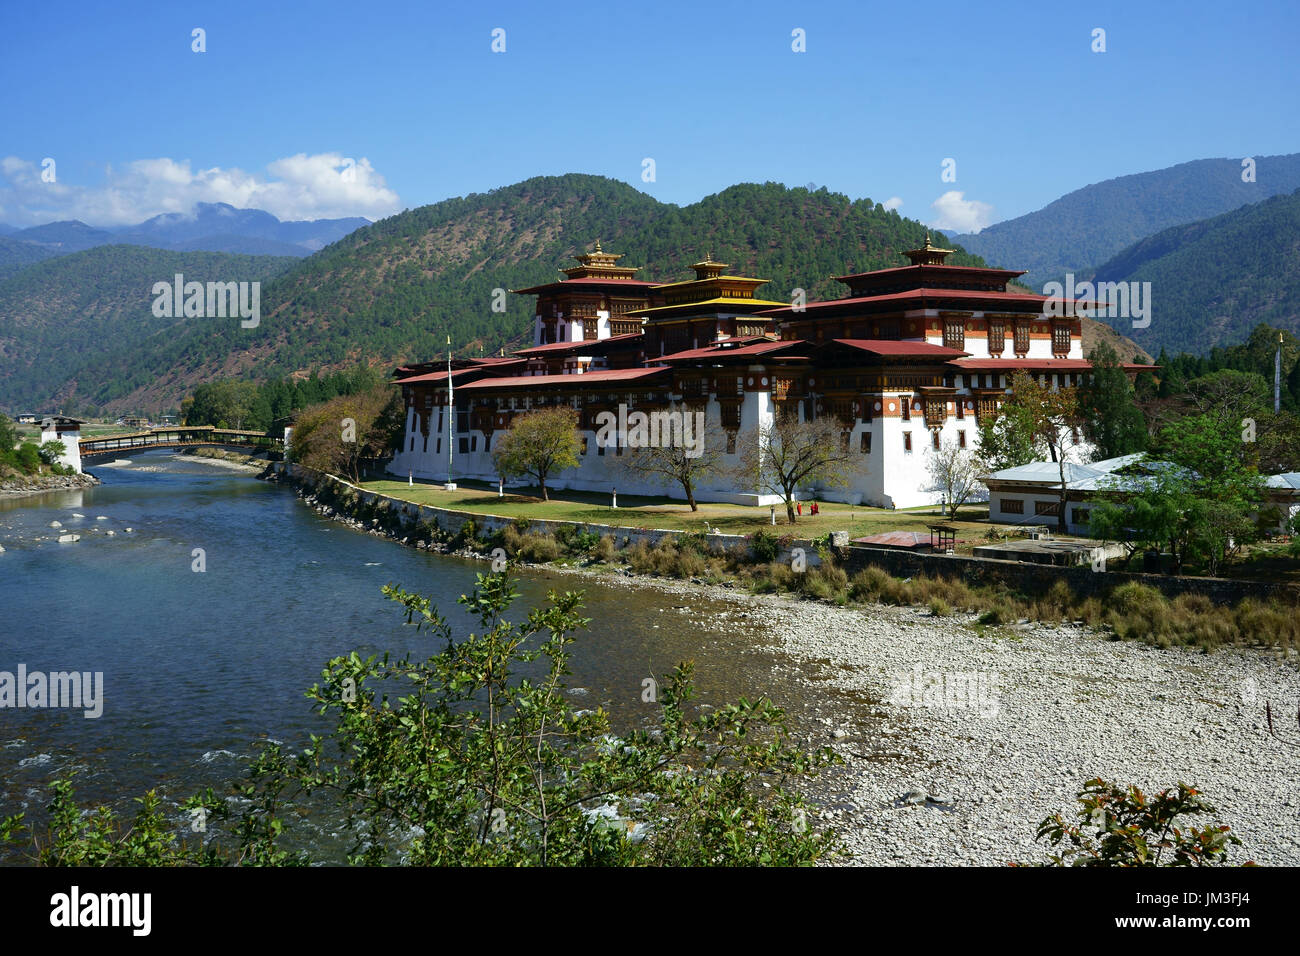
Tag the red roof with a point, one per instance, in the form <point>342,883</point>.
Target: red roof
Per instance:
<point>1028,298</point>
<point>899,347</point>
<point>728,348</point>
<point>578,346</point>
<point>495,364</point>
<point>600,376</point>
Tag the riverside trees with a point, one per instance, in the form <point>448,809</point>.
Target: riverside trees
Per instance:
<point>788,452</point>
<point>538,444</point>
<point>336,436</point>
<point>1034,422</point>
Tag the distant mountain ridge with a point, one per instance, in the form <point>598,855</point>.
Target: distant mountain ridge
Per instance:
<point>1215,280</point>
<point>1089,226</point>
<point>211,227</point>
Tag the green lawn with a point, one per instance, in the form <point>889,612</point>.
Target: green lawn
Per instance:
<point>644,512</point>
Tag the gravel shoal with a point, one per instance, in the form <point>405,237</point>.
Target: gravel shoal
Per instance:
<point>989,730</point>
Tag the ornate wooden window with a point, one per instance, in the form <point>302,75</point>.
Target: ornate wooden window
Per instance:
<point>1012,506</point>
<point>1047,507</point>
<point>934,438</point>
<point>843,410</point>
<point>730,414</point>
<point>997,335</point>
<point>692,387</point>
<point>961,439</point>
<point>936,411</point>
<point>954,333</point>
<point>866,443</point>
<point>907,442</point>
<point>1021,344</point>
<point>731,442</point>
<point>1060,338</point>
<point>905,406</point>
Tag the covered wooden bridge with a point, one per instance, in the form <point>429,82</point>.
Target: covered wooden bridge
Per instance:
<point>178,436</point>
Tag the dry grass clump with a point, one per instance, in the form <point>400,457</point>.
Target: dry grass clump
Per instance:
<point>530,546</point>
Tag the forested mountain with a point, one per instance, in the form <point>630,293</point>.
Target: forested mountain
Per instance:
<point>1090,225</point>
<point>391,292</point>
<point>62,318</point>
<point>210,227</point>
<point>16,255</point>
<point>1213,281</point>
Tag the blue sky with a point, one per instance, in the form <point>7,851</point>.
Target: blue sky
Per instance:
<point>413,95</point>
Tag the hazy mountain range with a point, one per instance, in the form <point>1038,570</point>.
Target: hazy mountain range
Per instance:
<point>210,227</point>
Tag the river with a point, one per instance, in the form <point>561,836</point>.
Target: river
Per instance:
<point>199,664</point>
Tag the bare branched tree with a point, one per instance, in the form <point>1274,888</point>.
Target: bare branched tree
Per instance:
<point>786,454</point>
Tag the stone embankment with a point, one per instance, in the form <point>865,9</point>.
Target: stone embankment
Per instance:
<point>15,485</point>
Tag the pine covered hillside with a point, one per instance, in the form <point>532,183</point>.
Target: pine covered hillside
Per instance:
<point>1213,281</point>
<point>61,318</point>
<point>391,292</point>
<point>16,255</point>
<point>1085,228</point>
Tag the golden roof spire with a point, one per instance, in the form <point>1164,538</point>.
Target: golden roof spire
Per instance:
<point>929,254</point>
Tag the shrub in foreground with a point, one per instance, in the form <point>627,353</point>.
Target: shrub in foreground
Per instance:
<point>1125,827</point>
<point>475,756</point>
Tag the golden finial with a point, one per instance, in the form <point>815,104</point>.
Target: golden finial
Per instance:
<point>598,245</point>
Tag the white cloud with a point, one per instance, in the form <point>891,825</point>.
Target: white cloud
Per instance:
<point>323,186</point>
<point>893,202</point>
<point>957,214</point>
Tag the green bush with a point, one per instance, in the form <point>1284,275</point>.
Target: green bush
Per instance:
<point>28,457</point>
<point>458,759</point>
<point>764,546</point>
<point>1125,827</point>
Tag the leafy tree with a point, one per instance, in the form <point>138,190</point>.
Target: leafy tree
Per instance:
<point>8,438</point>
<point>679,463</point>
<point>337,435</point>
<point>538,444</point>
<point>1034,422</point>
<point>954,471</point>
<point>226,404</point>
<point>1119,826</point>
<point>1112,422</point>
<point>1199,504</point>
<point>787,453</point>
<point>28,457</point>
<point>52,451</point>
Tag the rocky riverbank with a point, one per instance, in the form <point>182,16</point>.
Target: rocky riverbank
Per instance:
<point>13,486</point>
<point>958,738</point>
